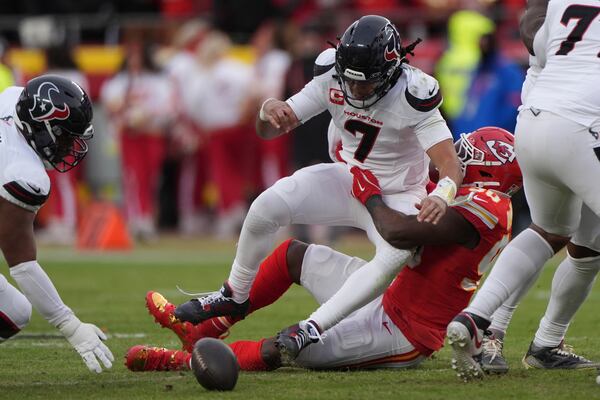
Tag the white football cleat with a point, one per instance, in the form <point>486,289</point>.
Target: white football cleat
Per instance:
<point>466,339</point>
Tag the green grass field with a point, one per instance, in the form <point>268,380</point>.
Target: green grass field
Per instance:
<point>109,289</point>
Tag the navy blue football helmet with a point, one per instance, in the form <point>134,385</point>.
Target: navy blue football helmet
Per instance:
<point>54,114</point>
<point>369,53</point>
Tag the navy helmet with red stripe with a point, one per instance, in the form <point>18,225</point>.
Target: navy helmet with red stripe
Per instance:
<point>54,114</point>
<point>369,52</point>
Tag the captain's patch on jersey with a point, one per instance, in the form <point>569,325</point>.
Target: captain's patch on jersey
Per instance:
<point>336,96</point>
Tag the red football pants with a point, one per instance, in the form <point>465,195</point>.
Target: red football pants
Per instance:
<point>233,164</point>
<point>142,157</point>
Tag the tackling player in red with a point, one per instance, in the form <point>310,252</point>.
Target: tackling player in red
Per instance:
<point>408,322</point>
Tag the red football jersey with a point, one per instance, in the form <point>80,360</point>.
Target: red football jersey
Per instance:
<point>423,300</point>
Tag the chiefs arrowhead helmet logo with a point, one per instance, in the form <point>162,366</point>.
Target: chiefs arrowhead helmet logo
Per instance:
<point>43,108</point>
<point>502,150</point>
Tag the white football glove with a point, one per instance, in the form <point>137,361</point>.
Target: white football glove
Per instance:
<point>85,338</point>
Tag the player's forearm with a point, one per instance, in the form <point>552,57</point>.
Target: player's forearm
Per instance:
<point>391,224</point>
<point>265,130</point>
<point>41,293</point>
<point>450,168</point>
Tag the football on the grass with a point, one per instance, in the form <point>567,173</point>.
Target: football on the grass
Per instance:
<point>214,364</point>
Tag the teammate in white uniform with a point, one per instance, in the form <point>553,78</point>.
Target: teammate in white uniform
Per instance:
<point>385,113</point>
<point>558,148</point>
<point>44,125</point>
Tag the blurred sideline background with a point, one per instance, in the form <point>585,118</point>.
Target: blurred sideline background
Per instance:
<point>176,86</point>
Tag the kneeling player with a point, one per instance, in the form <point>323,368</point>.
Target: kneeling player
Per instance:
<point>406,324</point>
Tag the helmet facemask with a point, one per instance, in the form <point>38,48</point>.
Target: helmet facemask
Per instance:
<point>56,145</point>
<point>381,83</point>
<point>484,168</point>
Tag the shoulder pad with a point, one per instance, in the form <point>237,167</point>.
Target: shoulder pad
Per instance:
<point>324,62</point>
<point>422,90</point>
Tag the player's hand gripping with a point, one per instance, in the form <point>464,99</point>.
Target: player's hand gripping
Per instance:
<point>85,339</point>
<point>279,114</point>
<point>364,184</point>
<point>431,209</point>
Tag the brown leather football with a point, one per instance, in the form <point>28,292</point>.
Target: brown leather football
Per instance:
<point>214,364</point>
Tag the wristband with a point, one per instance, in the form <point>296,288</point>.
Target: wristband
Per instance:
<point>445,190</point>
<point>261,113</point>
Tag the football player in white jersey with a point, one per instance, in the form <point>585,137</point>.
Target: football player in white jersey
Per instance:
<point>44,125</point>
<point>386,114</point>
<point>558,148</point>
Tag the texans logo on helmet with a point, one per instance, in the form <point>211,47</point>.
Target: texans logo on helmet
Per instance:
<point>502,150</point>
<point>391,55</point>
<point>43,108</point>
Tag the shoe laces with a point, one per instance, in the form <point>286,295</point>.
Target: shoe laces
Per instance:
<point>206,297</point>
<point>492,346</point>
<point>191,294</point>
<point>312,332</point>
<point>566,350</point>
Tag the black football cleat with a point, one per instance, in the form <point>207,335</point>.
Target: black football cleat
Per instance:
<point>293,339</point>
<point>560,357</point>
<point>491,358</point>
<point>216,304</point>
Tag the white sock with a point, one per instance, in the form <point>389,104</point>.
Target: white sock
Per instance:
<point>364,285</point>
<point>266,215</point>
<point>522,258</point>
<point>502,316</point>
<point>39,290</point>
<point>571,285</point>
<point>15,309</point>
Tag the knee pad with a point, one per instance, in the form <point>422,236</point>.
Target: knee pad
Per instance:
<point>267,213</point>
<point>15,310</point>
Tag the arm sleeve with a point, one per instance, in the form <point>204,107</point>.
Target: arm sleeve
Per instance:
<point>40,291</point>
<point>432,130</point>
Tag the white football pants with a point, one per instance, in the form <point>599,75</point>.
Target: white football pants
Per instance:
<point>367,338</point>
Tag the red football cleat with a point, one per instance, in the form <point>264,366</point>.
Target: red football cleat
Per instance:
<point>189,334</point>
<point>144,358</point>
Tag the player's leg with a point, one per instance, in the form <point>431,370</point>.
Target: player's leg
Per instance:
<point>572,282</point>
<point>319,194</point>
<point>314,195</point>
<point>359,288</point>
<point>365,339</point>
<point>492,357</point>
<point>15,310</point>
<point>275,275</point>
<point>555,212</point>
<point>320,269</point>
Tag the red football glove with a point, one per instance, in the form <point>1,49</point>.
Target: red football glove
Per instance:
<point>365,184</point>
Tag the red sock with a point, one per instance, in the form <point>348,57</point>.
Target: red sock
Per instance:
<point>272,281</point>
<point>273,278</point>
<point>248,355</point>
